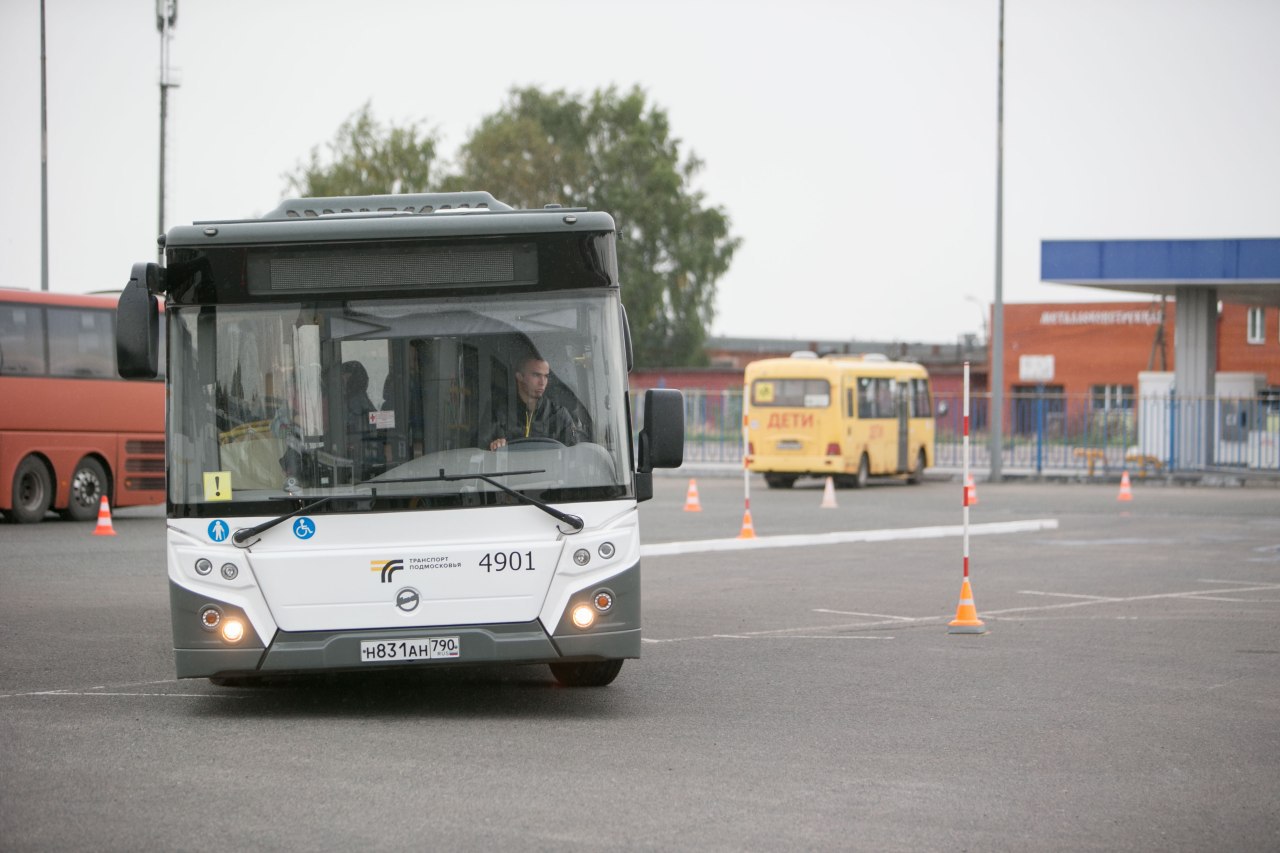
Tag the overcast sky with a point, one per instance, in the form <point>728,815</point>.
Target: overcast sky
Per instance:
<point>853,144</point>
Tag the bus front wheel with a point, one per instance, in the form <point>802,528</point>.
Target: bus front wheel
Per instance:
<point>587,674</point>
<point>32,491</point>
<point>88,485</point>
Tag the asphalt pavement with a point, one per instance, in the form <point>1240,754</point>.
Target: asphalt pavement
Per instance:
<point>796,691</point>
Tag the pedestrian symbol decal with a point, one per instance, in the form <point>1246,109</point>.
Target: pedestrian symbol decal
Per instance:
<point>218,530</point>
<point>304,528</point>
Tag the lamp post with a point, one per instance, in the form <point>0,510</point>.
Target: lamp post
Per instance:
<point>44,164</point>
<point>166,17</point>
<point>996,415</point>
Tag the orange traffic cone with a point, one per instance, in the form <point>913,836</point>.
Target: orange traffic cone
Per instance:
<point>691,502</point>
<point>970,492</point>
<point>1126,493</point>
<point>829,495</point>
<point>966,621</point>
<point>748,529</point>
<point>104,527</point>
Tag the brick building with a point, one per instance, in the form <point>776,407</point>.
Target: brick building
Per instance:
<point>1099,348</point>
<point>729,356</point>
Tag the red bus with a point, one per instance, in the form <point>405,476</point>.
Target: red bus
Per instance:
<point>71,430</point>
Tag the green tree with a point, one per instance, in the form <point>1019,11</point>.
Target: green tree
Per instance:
<point>608,151</point>
<point>367,158</point>
<point>614,152</point>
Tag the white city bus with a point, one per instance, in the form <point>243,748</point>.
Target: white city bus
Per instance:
<point>337,372</point>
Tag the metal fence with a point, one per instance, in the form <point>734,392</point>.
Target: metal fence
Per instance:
<point>1047,433</point>
<point>712,425</point>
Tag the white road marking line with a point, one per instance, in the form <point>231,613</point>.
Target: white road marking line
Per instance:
<point>1153,597</point>
<point>924,620</point>
<point>1067,595</point>
<point>797,637</point>
<point>666,549</point>
<point>85,691</point>
<point>856,613</point>
<point>1238,583</point>
<point>1233,600</point>
<point>818,637</point>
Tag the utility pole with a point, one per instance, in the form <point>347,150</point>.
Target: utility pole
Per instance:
<point>44,164</point>
<point>166,17</point>
<point>996,414</point>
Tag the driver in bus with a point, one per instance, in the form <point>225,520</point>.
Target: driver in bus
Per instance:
<point>536,415</point>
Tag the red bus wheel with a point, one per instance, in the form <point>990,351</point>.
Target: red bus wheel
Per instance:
<point>32,491</point>
<point>88,485</point>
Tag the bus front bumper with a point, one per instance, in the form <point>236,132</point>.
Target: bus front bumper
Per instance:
<point>199,654</point>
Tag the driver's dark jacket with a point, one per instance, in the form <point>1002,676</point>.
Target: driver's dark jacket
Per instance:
<point>547,420</point>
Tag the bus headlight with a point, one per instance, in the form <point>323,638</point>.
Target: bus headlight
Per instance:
<point>233,630</point>
<point>583,616</point>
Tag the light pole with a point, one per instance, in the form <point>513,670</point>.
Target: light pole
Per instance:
<point>166,17</point>
<point>996,415</point>
<point>44,164</point>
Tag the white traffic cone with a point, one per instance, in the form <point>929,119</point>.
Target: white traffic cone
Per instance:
<point>829,494</point>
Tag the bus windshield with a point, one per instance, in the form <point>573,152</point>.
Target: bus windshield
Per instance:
<point>370,402</point>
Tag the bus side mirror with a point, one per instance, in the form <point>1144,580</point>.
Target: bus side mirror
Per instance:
<point>138,325</point>
<point>662,438</point>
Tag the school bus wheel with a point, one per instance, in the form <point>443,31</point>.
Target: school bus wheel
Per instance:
<point>864,473</point>
<point>780,481</point>
<point>917,473</point>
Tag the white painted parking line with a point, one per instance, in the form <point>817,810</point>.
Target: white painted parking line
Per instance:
<point>856,613</point>
<point>1194,595</point>
<point>666,549</point>
<point>114,690</point>
<point>1065,595</point>
<point>1233,600</point>
<point>797,637</point>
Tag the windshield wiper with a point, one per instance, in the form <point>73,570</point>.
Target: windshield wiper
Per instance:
<point>572,520</point>
<point>242,536</point>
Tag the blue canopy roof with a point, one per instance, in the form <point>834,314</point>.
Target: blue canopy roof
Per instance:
<point>1242,270</point>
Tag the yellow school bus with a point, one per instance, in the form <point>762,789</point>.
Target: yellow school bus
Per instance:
<point>848,417</point>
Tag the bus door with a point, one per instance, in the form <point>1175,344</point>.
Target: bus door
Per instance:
<point>902,402</point>
<point>849,409</point>
<point>877,401</point>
